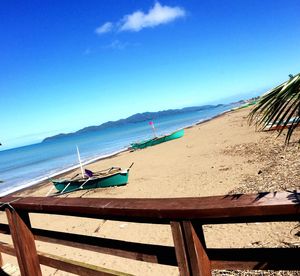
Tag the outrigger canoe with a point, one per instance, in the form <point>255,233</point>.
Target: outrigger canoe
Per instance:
<point>107,178</point>
<point>282,125</point>
<point>157,140</point>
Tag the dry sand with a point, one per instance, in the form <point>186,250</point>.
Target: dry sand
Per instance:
<point>218,157</point>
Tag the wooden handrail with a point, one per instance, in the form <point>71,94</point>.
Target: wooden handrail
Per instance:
<point>256,207</point>
<point>185,215</point>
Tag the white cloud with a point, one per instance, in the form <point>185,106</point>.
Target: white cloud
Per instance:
<point>156,16</point>
<point>139,20</point>
<point>105,28</point>
<point>117,45</point>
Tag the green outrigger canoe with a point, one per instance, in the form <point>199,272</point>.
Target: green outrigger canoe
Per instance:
<point>106,178</point>
<point>157,140</point>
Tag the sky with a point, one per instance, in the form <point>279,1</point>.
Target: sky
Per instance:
<point>68,64</point>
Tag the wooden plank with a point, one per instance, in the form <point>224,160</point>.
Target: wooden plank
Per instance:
<point>138,251</point>
<point>218,209</point>
<point>222,209</point>
<point>180,248</point>
<point>24,244</point>
<point>7,249</point>
<point>166,255</point>
<point>199,261</point>
<point>76,267</point>
<point>67,265</point>
<point>255,258</point>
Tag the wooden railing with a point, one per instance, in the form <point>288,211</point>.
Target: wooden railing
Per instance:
<point>185,215</point>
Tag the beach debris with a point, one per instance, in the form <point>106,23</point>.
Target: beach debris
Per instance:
<point>97,229</point>
<point>224,169</point>
<point>100,225</point>
<point>277,173</point>
<point>290,244</point>
<point>256,243</point>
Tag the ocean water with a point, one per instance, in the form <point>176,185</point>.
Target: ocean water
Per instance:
<point>25,166</point>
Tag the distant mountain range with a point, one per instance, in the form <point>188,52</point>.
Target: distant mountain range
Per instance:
<point>136,118</point>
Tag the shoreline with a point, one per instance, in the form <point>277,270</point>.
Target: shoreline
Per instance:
<point>31,186</point>
<point>65,172</point>
<point>217,157</point>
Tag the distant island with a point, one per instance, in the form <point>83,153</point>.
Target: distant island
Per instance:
<point>136,118</point>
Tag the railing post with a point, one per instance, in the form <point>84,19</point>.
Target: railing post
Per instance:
<point>180,248</point>
<point>24,243</point>
<point>196,248</point>
<point>1,260</point>
<point>190,249</point>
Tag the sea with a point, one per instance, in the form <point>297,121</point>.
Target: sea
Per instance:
<point>29,165</point>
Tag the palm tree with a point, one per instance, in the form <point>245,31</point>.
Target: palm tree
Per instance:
<point>279,106</point>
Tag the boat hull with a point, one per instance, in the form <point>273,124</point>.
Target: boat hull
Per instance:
<point>118,179</point>
<point>158,140</point>
<point>283,125</point>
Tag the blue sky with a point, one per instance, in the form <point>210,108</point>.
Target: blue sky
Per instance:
<point>70,64</point>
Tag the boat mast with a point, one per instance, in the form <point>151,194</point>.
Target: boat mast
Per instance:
<point>153,129</point>
<point>79,159</point>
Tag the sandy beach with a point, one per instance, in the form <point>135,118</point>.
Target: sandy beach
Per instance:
<point>221,156</point>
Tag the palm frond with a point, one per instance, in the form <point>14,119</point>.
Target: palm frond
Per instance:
<point>280,106</point>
